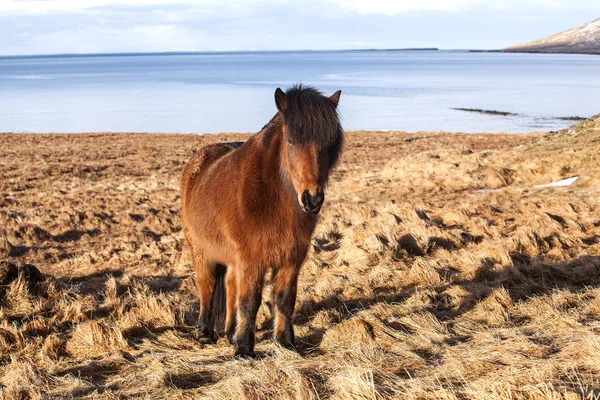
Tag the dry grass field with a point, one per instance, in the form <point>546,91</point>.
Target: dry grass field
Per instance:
<point>418,286</point>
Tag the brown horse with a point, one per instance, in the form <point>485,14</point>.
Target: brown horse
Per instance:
<point>250,208</point>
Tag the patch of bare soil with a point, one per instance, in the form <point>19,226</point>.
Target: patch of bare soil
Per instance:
<point>419,285</point>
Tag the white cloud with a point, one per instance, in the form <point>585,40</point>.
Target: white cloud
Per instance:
<point>388,7</point>
<point>49,6</point>
<point>84,26</point>
<point>392,7</point>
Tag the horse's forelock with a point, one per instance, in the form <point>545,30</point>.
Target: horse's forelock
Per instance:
<point>311,117</point>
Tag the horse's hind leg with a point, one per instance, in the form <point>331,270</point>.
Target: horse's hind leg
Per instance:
<point>231,293</point>
<point>249,296</point>
<point>205,282</point>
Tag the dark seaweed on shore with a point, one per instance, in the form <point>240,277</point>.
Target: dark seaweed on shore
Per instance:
<point>572,118</point>
<point>489,112</point>
<point>511,114</point>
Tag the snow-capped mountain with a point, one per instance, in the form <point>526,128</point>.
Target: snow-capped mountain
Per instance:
<point>583,39</point>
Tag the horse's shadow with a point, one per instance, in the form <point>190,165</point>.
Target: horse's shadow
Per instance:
<point>347,309</point>
<point>524,278</point>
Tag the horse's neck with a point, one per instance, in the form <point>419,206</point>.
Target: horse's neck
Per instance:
<point>268,154</point>
<point>267,161</point>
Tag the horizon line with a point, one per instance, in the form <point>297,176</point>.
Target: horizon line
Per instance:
<point>207,52</point>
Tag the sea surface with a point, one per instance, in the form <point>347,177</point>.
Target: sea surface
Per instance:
<point>233,92</point>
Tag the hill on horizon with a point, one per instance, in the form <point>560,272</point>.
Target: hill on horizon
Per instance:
<point>583,39</point>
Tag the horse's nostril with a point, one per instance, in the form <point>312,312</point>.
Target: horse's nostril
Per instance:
<point>306,197</point>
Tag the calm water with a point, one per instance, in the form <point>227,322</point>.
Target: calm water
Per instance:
<point>220,92</point>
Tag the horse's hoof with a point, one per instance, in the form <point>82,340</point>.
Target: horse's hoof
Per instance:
<point>244,354</point>
<point>205,338</point>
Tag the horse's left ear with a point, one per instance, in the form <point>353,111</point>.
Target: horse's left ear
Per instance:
<point>280,100</point>
<point>336,97</point>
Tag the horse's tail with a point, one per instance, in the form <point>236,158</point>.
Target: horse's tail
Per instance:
<point>219,298</point>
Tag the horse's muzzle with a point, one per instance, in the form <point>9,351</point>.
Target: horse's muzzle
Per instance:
<point>312,204</point>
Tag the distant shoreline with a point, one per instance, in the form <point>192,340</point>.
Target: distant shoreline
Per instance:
<point>213,52</point>
<point>217,52</point>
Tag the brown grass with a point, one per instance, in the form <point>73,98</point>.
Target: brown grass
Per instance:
<point>417,287</point>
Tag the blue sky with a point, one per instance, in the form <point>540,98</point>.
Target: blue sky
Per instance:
<point>96,26</point>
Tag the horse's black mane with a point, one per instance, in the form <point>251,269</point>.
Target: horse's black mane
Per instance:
<point>311,117</point>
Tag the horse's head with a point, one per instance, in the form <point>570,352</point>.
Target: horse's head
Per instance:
<point>312,139</point>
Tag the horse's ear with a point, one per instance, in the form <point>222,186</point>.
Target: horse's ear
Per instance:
<point>280,100</point>
<point>336,97</point>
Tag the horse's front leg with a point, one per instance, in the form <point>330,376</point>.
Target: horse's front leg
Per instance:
<point>249,295</point>
<point>284,299</point>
